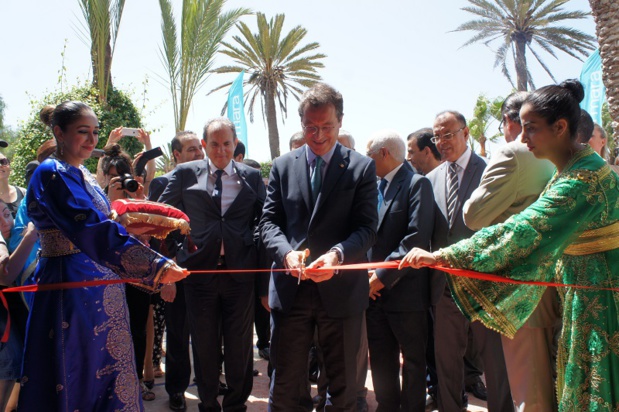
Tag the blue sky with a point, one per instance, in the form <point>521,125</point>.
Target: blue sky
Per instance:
<point>396,62</point>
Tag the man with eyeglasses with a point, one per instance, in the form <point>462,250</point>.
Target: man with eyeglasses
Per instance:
<point>320,212</point>
<point>452,183</point>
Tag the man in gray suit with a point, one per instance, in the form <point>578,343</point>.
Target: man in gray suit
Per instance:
<point>511,182</point>
<point>397,318</point>
<point>453,182</point>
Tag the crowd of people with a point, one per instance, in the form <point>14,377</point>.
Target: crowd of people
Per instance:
<point>544,208</point>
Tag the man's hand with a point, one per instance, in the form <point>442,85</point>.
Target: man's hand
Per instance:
<point>324,262</point>
<point>168,292</point>
<point>295,263</point>
<point>375,285</point>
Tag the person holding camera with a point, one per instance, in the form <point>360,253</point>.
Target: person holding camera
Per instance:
<point>114,139</point>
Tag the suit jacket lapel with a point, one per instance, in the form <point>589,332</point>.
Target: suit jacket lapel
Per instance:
<point>467,178</point>
<point>301,170</point>
<point>337,166</point>
<point>392,192</point>
<point>201,172</point>
<point>441,194</point>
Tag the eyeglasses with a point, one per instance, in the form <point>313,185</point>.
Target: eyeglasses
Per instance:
<point>447,136</point>
<point>313,130</point>
<point>501,126</point>
<point>4,162</point>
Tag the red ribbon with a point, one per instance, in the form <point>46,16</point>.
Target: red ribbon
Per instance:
<point>358,266</point>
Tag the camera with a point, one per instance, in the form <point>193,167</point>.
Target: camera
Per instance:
<point>128,183</point>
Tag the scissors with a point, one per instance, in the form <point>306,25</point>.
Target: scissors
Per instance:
<point>306,254</point>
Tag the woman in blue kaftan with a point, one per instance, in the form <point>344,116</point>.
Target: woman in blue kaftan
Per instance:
<point>78,349</point>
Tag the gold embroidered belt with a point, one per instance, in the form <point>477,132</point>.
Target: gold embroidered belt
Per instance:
<point>595,241</point>
<point>54,243</point>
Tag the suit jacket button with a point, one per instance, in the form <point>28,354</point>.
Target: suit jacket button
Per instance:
<point>223,219</point>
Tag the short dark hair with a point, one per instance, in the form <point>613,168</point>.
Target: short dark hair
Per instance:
<point>459,116</point>
<point>556,102</point>
<point>222,120</point>
<point>423,139</point>
<point>252,163</point>
<point>240,149</point>
<point>512,104</point>
<point>322,94</point>
<point>585,127</point>
<point>177,143</point>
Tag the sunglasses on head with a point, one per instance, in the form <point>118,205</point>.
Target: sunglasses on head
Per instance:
<point>4,162</point>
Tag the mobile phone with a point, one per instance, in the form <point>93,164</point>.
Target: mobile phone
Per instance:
<point>97,153</point>
<point>146,156</point>
<point>129,131</point>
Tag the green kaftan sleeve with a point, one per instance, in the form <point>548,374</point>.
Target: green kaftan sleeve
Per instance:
<point>525,247</point>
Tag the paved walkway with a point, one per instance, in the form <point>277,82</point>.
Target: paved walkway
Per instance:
<point>259,397</point>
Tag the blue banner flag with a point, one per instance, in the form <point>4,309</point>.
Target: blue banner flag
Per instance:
<point>595,92</point>
<point>236,112</point>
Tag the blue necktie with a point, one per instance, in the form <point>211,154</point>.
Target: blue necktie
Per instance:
<point>316,181</point>
<point>217,189</point>
<point>381,192</point>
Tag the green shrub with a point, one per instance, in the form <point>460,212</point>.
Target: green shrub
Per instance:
<point>120,111</point>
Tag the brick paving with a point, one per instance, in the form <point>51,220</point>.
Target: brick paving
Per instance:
<point>258,400</point>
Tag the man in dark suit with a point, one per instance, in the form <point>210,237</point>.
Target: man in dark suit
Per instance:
<point>397,318</point>
<point>186,147</point>
<point>321,197</point>
<point>223,200</point>
<point>453,182</point>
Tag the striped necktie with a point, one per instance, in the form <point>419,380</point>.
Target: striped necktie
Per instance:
<point>452,190</point>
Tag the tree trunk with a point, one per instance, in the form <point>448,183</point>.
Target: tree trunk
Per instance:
<point>482,144</point>
<point>272,123</point>
<point>606,16</point>
<point>522,77</point>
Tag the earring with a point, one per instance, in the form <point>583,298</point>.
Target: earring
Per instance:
<point>61,144</point>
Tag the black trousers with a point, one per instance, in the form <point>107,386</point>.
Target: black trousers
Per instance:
<point>292,334</point>
<point>390,333</point>
<point>217,303</point>
<point>138,303</point>
<point>451,337</point>
<point>178,363</point>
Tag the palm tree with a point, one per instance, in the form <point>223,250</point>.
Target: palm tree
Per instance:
<point>102,22</point>
<point>521,24</point>
<point>277,67</point>
<point>606,16</point>
<point>202,28</point>
<point>484,114</point>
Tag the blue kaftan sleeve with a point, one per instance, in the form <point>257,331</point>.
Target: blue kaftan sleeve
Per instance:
<point>61,198</point>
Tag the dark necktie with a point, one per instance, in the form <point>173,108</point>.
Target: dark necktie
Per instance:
<point>316,181</point>
<point>381,192</point>
<point>452,190</point>
<point>217,189</point>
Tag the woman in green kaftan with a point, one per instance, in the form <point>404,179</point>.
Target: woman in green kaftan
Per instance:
<point>569,235</point>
